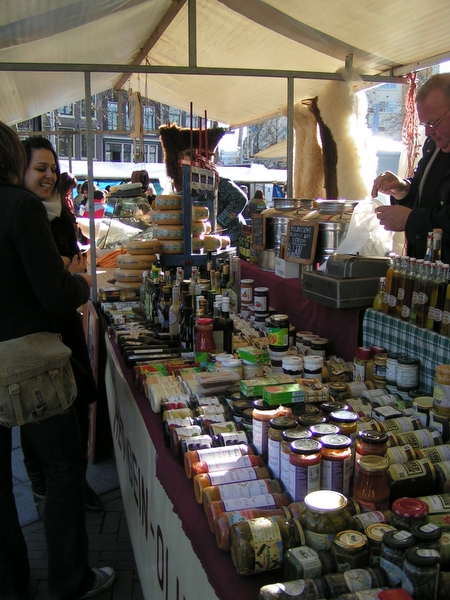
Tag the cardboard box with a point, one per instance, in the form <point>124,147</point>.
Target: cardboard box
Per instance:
<point>253,355</point>
<point>288,393</point>
<point>254,387</point>
<point>285,269</point>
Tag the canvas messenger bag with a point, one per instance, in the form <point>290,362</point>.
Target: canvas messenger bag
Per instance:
<point>36,378</point>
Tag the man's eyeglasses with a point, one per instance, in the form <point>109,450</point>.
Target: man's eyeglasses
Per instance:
<point>433,126</point>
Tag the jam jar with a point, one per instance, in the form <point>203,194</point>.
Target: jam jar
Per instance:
<point>324,515</point>
<point>336,463</point>
<point>371,442</point>
<point>305,457</point>
<point>370,487</point>
<point>276,427</point>
<point>260,544</point>
<point>350,550</point>
<point>409,511</point>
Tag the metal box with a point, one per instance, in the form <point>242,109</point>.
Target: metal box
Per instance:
<point>337,292</point>
<point>355,266</point>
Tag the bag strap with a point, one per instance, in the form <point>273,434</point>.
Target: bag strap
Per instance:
<point>14,392</point>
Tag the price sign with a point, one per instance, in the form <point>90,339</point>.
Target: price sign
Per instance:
<point>301,240</point>
<point>259,232</point>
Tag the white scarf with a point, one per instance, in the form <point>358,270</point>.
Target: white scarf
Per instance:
<point>53,207</point>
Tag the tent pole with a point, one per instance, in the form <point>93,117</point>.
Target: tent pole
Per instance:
<point>90,171</point>
<point>290,136</point>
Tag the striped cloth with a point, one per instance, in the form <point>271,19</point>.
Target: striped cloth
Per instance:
<point>430,348</point>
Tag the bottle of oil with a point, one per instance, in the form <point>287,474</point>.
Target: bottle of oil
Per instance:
<point>429,249</point>
<point>408,288</point>
<point>445,323</point>
<point>394,286</point>
<point>437,244</point>
<point>378,300</point>
<point>404,269</point>
<point>423,299</point>
<point>435,308</point>
<point>415,290</point>
<point>387,291</point>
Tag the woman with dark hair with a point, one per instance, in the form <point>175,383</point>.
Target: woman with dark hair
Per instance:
<point>42,289</point>
<point>41,170</point>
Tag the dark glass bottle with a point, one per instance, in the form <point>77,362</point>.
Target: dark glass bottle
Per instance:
<point>387,292</point>
<point>165,308</point>
<point>394,286</point>
<point>224,279</point>
<point>433,308</point>
<point>229,326</point>
<point>218,327</point>
<point>424,292</point>
<point>429,249</point>
<point>186,324</point>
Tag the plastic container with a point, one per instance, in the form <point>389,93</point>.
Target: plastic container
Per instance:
<point>370,487</point>
<point>259,545</point>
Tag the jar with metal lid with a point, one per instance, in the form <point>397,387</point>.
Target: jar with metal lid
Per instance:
<point>350,550</point>
<point>363,520</point>
<point>422,406</point>
<point>261,300</point>
<point>305,457</point>
<point>400,454</point>
<point>339,392</point>
<point>336,463</point>
<point>324,515</point>
<point>355,580</point>
<point>299,339</point>
<point>428,535</point>
<point>422,438</point>
<point>407,373</point>
<point>401,424</point>
<point>247,291</point>
<point>259,544</point>
<point>370,442</point>
<point>319,347</point>
<point>374,535</point>
<point>276,427</point>
<point>262,414</point>
<point>370,487</point>
<point>279,333</point>
<point>321,429</point>
<point>238,406</point>
<point>393,547</point>
<point>204,342</point>
<point>391,367</point>
<point>287,437</point>
<point>307,420</point>
<point>409,511</point>
<point>441,390</point>
<point>312,367</point>
<point>379,370</point>
<point>328,407</point>
<point>421,572</point>
<point>346,421</point>
<point>417,477</point>
<point>442,476</point>
<point>306,563</point>
<point>362,364</point>
<point>297,589</point>
<point>217,478</point>
<point>436,454</point>
<point>302,408</point>
<point>307,339</point>
<point>247,420</point>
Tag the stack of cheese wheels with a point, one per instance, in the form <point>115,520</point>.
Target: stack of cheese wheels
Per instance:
<point>140,256</point>
<point>200,226</point>
<point>167,221</point>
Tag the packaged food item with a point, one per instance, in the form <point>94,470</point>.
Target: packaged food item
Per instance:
<point>355,580</point>
<point>204,480</point>
<point>392,556</point>
<point>276,427</point>
<point>298,589</point>
<point>304,562</point>
<point>412,478</point>
<point>421,572</point>
<point>407,512</point>
<point>286,468</point>
<point>305,457</point>
<point>350,550</point>
<point>374,535</point>
<point>370,487</point>
<point>370,442</point>
<point>336,463</point>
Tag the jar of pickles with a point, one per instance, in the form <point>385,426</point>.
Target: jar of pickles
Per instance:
<point>324,515</point>
<point>350,550</point>
<point>260,544</point>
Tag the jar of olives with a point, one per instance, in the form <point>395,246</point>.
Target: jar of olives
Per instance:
<point>324,515</point>
<point>260,544</point>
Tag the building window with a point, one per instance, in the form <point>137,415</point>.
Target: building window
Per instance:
<point>84,146</point>
<point>194,120</point>
<point>148,117</point>
<point>118,152</point>
<point>65,143</point>
<point>83,108</point>
<point>174,115</point>
<point>113,116</point>
<point>150,153</point>
<point>66,111</point>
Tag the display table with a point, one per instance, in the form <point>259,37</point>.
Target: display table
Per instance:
<point>393,334</point>
<point>340,325</point>
<point>175,552</point>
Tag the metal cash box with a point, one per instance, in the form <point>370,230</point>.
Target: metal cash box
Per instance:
<point>350,280</point>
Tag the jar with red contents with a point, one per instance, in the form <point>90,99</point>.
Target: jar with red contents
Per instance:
<point>370,488</point>
<point>371,442</point>
<point>204,344</point>
<point>305,457</point>
<point>409,511</point>
<point>336,463</point>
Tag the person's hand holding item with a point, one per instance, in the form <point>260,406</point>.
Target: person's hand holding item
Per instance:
<point>393,218</point>
<point>390,184</point>
<point>77,264</point>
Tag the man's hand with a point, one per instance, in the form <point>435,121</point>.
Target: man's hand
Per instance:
<point>393,218</point>
<point>388,183</point>
<point>77,264</point>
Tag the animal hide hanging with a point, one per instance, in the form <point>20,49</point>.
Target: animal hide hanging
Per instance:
<point>308,175</point>
<point>176,141</point>
<point>329,151</point>
<point>136,124</point>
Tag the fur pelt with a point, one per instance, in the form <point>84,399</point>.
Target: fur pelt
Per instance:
<point>329,151</point>
<point>176,141</point>
<point>308,173</point>
<point>344,112</point>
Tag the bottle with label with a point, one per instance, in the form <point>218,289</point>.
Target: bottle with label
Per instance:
<point>394,286</point>
<point>165,308</point>
<point>229,326</point>
<point>206,480</point>
<point>143,289</point>
<point>429,247</point>
<point>389,272</point>
<point>415,290</point>
<point>204,342</point>
<point>186,322</point>
<point>370,487</point>
<point>437,245</point>
<point>378,300</point>
<point>408,284</point>
<point>174,324</point>
<point>403,274</point>
<point>436,297</point>
<point>424,293</point>
<point>445,323</point>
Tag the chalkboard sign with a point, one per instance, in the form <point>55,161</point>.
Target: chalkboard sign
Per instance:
<point>259,232</point>
<point>301,240</point>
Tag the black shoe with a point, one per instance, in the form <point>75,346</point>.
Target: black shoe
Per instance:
<point>93,501</point>
<point>104,577</point>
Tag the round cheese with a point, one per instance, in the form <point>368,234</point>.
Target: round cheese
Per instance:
<point>143,246</point>
<point>129,275</point>
<point>136,261</point>
<point>128,285</point>
<point>198,227</point>
<point>197,243</point>
<point>171,247</point>
<point>167,217</point>
<point>168,201</point>
<point>168,232</point>
<point>200,213</point>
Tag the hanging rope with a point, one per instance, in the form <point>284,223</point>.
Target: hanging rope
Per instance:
<point>410,129</point>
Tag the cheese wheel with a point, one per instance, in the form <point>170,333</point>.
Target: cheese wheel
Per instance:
<point>200,213</point>
<point>198,228</point>
<point>130,275</point>
<point>167,217</point>
<point>208,227</point>
<point>168,232</point>
<point>211,242</point>
<point>128,285</point>
<point>171,247</point>
<point>143,246</point>
<point>136,261</point>
<point>168,201</point>
<point>226,241</point>
<point>197,243</point>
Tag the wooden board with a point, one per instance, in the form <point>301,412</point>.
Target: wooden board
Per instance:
<point>259,232</point>
<point>301,241</point>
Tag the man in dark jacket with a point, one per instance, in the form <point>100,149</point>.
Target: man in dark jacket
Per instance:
<point>422,203</point>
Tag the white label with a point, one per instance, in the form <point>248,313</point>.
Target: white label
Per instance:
<point>261,436</point>
<point>357,580</point>
<point>309,560</point>
<point>232,475</point>
<point>306,480</point>
<point>359,372</point>
<point>445,468</point>
<point>393,572</point>
<point>242,461</point>
<point>438,503</point>
<point>274,457</point>
<point>336,475</point>
<point>263,501</point>
<point>319,541</point>
<point>437,454</point>
<point>399,454</point>
<point>243,489</point>
<point>289,588</point>
<point>407,377</point>
<point>267,544</point>
<point>285,470</point>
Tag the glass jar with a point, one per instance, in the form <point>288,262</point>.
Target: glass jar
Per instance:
<point>436,454</point>
<point>319,347</point>
<point>318,431</point>
<point>401,424</point>
<point>204,342</point>
<point>421,572</point>
<point>370,487</point>
<point>350,550</point>
<point>428,536</point>
<point>355,580</point>
<point>442,476</point>
<point>400,454</point>
<point>276,427</point>
<point>407,373</point>
<point>298,589</point>
<point>307,420</point>
<point>324,515</point>
<point>292,365</point>
<point>287,437</point>
<point>336,463</point>
<point>262,415</point>
<point>417,477</point>
<point>441,390</point>
<point>370,442</point>
<point>260,544</point>
<point>375,517</point>
<point>346,421</point>
<point>219,459</point>
<point>339,392</point>
<point>279,333</point>
<point>312,367</point>
<point>328,407</point>
<point>392,555</point>
<point>305,457</point>
<point>224,521</point>
<point>204,480</point>
<point>422,438</point>
<point>409,511</point>
<point>305,563</point>
<point>391,368</point>
<point>374,535</point>
<point>379,370</point>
